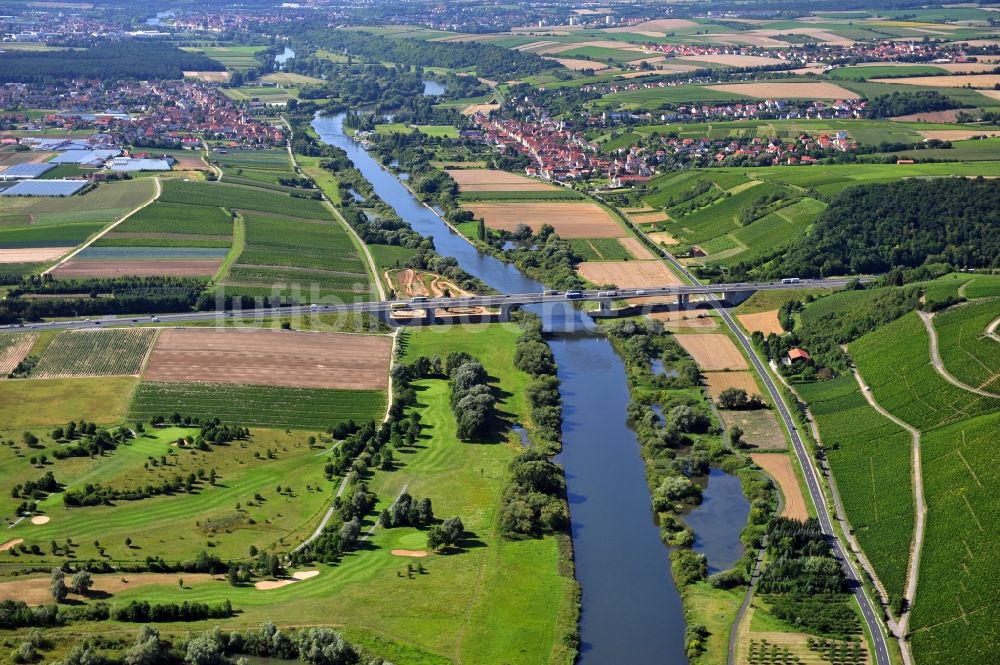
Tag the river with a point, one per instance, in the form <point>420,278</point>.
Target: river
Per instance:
<point>433,88</point>
<point>631,609</point>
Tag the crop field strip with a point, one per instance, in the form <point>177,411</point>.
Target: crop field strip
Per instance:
<point>239,197</point>
<point>261,406</point>
<point>869,456</point>
<point>13,349</point>
<point>966,351</point>
<point>112,352</point>
<point>273,358</point>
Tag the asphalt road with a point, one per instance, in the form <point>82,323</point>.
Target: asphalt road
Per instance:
<point>436,303</point>
<point>872,619</point>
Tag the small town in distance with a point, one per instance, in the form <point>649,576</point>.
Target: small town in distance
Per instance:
<point>368,333</point>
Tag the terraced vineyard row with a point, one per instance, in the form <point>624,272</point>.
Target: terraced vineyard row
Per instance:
<point>966,351</point>
<point>895,361</point>
<point>870,459</point>
<point>118,351</point>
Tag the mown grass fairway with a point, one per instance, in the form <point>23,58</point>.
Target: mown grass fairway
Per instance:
<point>178,526</point>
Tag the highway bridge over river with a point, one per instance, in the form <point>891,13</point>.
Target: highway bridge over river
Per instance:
<point>409,311</point>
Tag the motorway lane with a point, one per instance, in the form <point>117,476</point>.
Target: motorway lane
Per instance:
<point>438,303</point>
<point>871,618</point>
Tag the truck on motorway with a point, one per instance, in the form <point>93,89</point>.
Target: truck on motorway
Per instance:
<point>418,299</point>
<point>574,294</point>
<point>791,280</point>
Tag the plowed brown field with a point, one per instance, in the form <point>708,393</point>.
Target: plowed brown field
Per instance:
<point>138,267</point>
<point>570,219</point>
<point>713,352</point>
<point>492,180</point>
<point>273,358</point>
<point>628,274</point>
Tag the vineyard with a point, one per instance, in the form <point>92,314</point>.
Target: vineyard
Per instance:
<point>178,218</point>
<point>261,406</point>
<point>274,241</point>
<point>957,611</point>
<point>13,349</point>
<point>95,353</point>
<point>895,362</point>
<point>870,459</point>
<point>241,198</point>
<point>966,351</point>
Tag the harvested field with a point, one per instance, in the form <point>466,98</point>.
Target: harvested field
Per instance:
<point>492,180</point>
<point>713,352</point>
<point>750,38</point>
<point>662,238</point>
<point>930,116</point>
<point>636,248</point>
<point>36,590</point>
<point>570,219</point>
<point>761,430</point>
<point>485,109</point>
<point>86,268</point>
<point>32,254</point>
<point>208,77</point>
<point>599,43</point>
<point>413,553</point>
<point>658,26</point>
<point>681,319</point>
<point>651,217</point>
<point>272,358</point>
<point>958,134</point>
<point>628,274</point>
<point>972,80</point>
<point>819,34</point>
<point>719,381</point>
<point>765,322</point>
<point>993,94</point>
<point>580,65</point>
<point>734,60</point>
<point>776,90</point>
<point>190,162</point>
<point>6,546</point>
<point>13,349</point>
<point>780,468</point>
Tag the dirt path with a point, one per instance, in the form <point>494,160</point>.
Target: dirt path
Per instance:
<point>991,330</point>
<point>158,189</point>
<point>921,515</point>
<point>939,364</point>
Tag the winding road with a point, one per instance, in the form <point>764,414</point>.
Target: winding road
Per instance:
<point>917,546</point>
<point>938,364</point>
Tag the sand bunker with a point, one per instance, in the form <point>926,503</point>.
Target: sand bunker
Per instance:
<point>413,553</point>
<point>40,519</point>
<point>11,543</point>
<point>265,585</point>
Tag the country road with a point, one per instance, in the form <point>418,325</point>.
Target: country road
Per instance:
<point>872,620</point>
<point>938,364</point>
<point>920,507</point>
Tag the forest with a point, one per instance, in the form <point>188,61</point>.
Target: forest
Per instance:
<point>904,103</point>
<point>870,229</point>
<point>108,62</point>
<point>490,61</point>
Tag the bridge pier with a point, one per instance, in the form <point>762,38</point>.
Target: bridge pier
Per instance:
<point>505,312</point>
<point>682,300</point>
<point>429,317</point>
<point>604,305</point>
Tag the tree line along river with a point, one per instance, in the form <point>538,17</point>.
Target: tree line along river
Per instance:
<point>630,605</point>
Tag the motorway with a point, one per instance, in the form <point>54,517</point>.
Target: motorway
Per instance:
<point>872,619</point>
<point>382,306</point>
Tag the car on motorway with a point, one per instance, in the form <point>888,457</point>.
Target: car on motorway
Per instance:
<point>418,299</point>
<point>551,292</point>
<point>640,292</point>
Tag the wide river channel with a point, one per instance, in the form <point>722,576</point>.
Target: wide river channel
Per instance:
<point>631,610</point>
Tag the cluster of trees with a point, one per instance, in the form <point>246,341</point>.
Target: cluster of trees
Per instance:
<point>447,534</point>
<point>341,534</point>
<point>871,229</point>
<point>141,611</point>
<point>107,61</point>
<point>407,511</point>
<point>800,560</point>
<point>122,295</point>
<point>211,430</point>
<point>545,257</point>
<point>472,400</point>
<point>737,399</point>
<point>96,494</point>
<point>36,489</point>
<point>824,330</point>
<point>535,493</point>
<point>639,343</point>
<point>93,443</point>
<point>905,103</point>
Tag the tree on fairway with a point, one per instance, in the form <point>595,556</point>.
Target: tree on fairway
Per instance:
<point>58,589</point>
